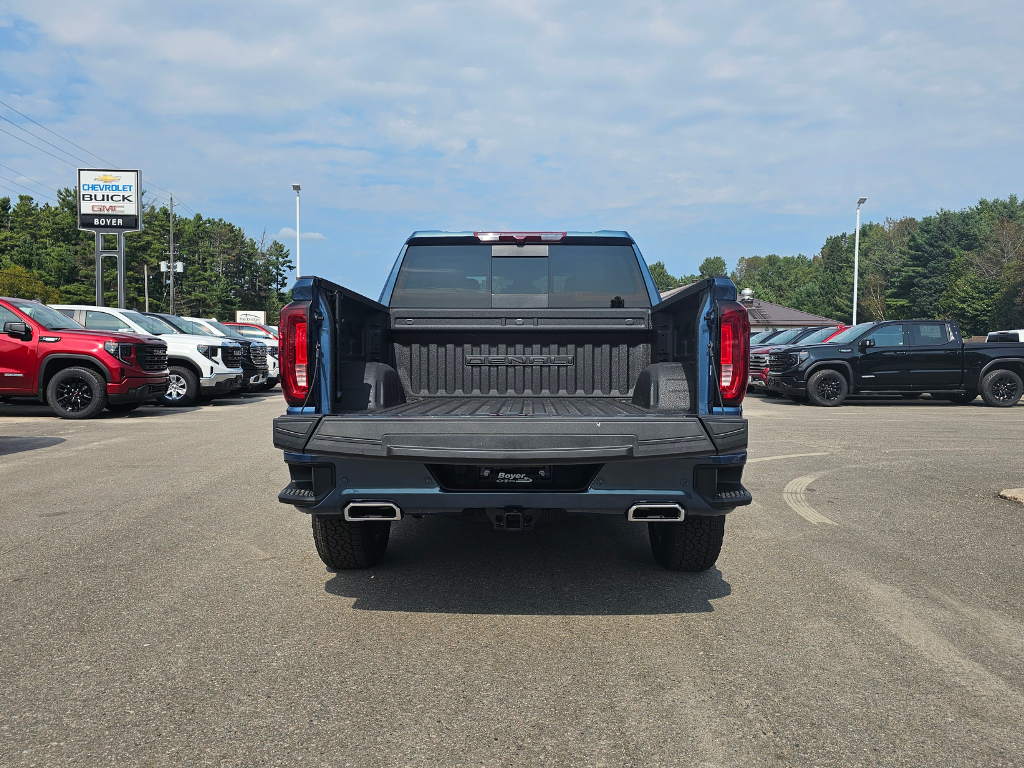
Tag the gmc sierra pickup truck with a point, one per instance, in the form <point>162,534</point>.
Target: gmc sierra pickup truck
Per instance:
<point>76,371</point>
<point>901,357</point>
<point>513,378</point>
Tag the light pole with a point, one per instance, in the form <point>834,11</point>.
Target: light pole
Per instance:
<point>297,241</point>
<point>856,258</point>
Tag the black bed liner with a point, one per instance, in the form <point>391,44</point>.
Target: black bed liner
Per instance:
<point>572,407</point>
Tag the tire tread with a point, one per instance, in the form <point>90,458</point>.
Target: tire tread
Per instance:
<point>692,545</point>
<point>344,546</point>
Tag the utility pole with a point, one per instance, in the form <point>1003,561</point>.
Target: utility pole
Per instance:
<point>856,258</point>
<point>145,282</point>
<point>172,253</point>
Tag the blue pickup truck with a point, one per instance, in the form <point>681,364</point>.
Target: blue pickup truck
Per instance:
<point>513,378</point>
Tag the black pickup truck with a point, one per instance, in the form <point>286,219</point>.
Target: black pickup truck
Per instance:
<point>513,378</point>
<point>901,357</point>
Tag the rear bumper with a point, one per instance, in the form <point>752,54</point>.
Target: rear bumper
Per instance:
<point>136,390</point>
<point>324,485</point>
<point>694,462</point>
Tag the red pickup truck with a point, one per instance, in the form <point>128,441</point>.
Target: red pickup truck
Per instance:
<point>77,372</point>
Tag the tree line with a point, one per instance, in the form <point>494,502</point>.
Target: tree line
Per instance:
<point>965,265</point>
<point>43,255</point>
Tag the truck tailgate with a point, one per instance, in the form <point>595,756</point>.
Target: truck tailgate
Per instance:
<point>512,431</point>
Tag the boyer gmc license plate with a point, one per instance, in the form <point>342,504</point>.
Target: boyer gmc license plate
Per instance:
<point>515,475</point>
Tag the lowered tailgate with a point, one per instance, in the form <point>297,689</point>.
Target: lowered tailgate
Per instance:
<point>512,430</point>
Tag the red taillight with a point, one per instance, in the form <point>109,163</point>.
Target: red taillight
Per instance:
<point>733,352</point>
<point>294,349</point>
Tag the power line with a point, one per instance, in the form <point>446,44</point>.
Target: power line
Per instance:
<point>34,192</point>
<point>14,190</point>
<point>40,138</point>
<point>156,186</point>
<point>39,148</point>
<point>28,177</point>
<point>54,132</point>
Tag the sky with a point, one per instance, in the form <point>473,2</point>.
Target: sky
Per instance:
<point>704,129</point>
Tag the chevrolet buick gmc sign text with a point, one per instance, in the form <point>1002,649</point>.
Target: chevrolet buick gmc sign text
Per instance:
<point>108,200</point>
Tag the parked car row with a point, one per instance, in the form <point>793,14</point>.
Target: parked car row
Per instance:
<point>907,358</point>
<point>762,344</point>
<point>81,359</point>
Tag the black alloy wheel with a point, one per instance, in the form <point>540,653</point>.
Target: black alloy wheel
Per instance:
<point>1002,388</point>
<point>827,388</point>
<point>76,393</point>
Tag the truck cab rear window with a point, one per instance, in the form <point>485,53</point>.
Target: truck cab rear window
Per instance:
<point>524,276</point>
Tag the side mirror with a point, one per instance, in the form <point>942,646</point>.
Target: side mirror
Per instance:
<point>867,343</point>
<point>19,329</point>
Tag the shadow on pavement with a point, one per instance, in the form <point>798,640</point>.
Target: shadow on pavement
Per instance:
<point>583,566</point>
<point>11,444</point>
<point>877,400</point>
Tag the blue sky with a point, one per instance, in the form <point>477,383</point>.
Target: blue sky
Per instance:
<point>729,128</point>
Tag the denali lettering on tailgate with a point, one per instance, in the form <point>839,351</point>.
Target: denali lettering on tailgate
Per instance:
<point>520,359</point>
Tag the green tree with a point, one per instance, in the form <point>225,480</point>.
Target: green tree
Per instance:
<point>662,279</point>
<point>713,266</point>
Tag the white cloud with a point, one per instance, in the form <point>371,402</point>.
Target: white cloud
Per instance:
<point>287,233</point>
<point>653,116</point>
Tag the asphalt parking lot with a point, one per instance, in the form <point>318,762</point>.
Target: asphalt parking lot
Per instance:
<point>159,608</point>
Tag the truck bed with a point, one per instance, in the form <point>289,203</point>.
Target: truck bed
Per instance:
<point>566,407</point>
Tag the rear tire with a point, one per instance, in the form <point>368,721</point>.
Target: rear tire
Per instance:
<point>827,388</point>
<point>182,387</point>
<point>122,407</point>
<point>692,545</point>
<point>76,393</point>
<point>344,546</point>
<point>1002,388</point>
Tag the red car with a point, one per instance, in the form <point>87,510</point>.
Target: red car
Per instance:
<point>77,372</point>
<point>264,333</point>
<point>793,337</point>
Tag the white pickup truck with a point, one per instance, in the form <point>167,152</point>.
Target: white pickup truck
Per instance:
<point>217,328</point>
<point>198,365</point>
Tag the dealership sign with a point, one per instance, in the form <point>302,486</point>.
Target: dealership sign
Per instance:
<point>109,200</point>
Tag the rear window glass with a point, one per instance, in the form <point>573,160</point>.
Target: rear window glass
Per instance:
<point>531,275</point>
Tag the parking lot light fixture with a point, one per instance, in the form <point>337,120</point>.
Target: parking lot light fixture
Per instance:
<point>296,187</point>
<point>856,258</point>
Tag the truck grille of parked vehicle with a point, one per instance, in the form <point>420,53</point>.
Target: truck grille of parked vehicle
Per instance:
<point>152,357</point>
<point>258,354</point>
<point>231,357</point>
<point>782,361</point>
<point>759,361</point>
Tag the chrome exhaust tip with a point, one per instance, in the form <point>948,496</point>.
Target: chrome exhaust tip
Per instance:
<point>361,511</point>
<point>652,511</point>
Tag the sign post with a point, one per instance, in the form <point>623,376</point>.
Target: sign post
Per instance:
<point>108,204</point>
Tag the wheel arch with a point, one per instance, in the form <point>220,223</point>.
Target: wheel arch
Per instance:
<point>1015,364</point>
<point>184,362</point>
<point>54,364</point>
<point>834,365</point>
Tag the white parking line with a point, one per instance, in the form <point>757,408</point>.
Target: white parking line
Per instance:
<point>787,456</point>
<point>794,496</point>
